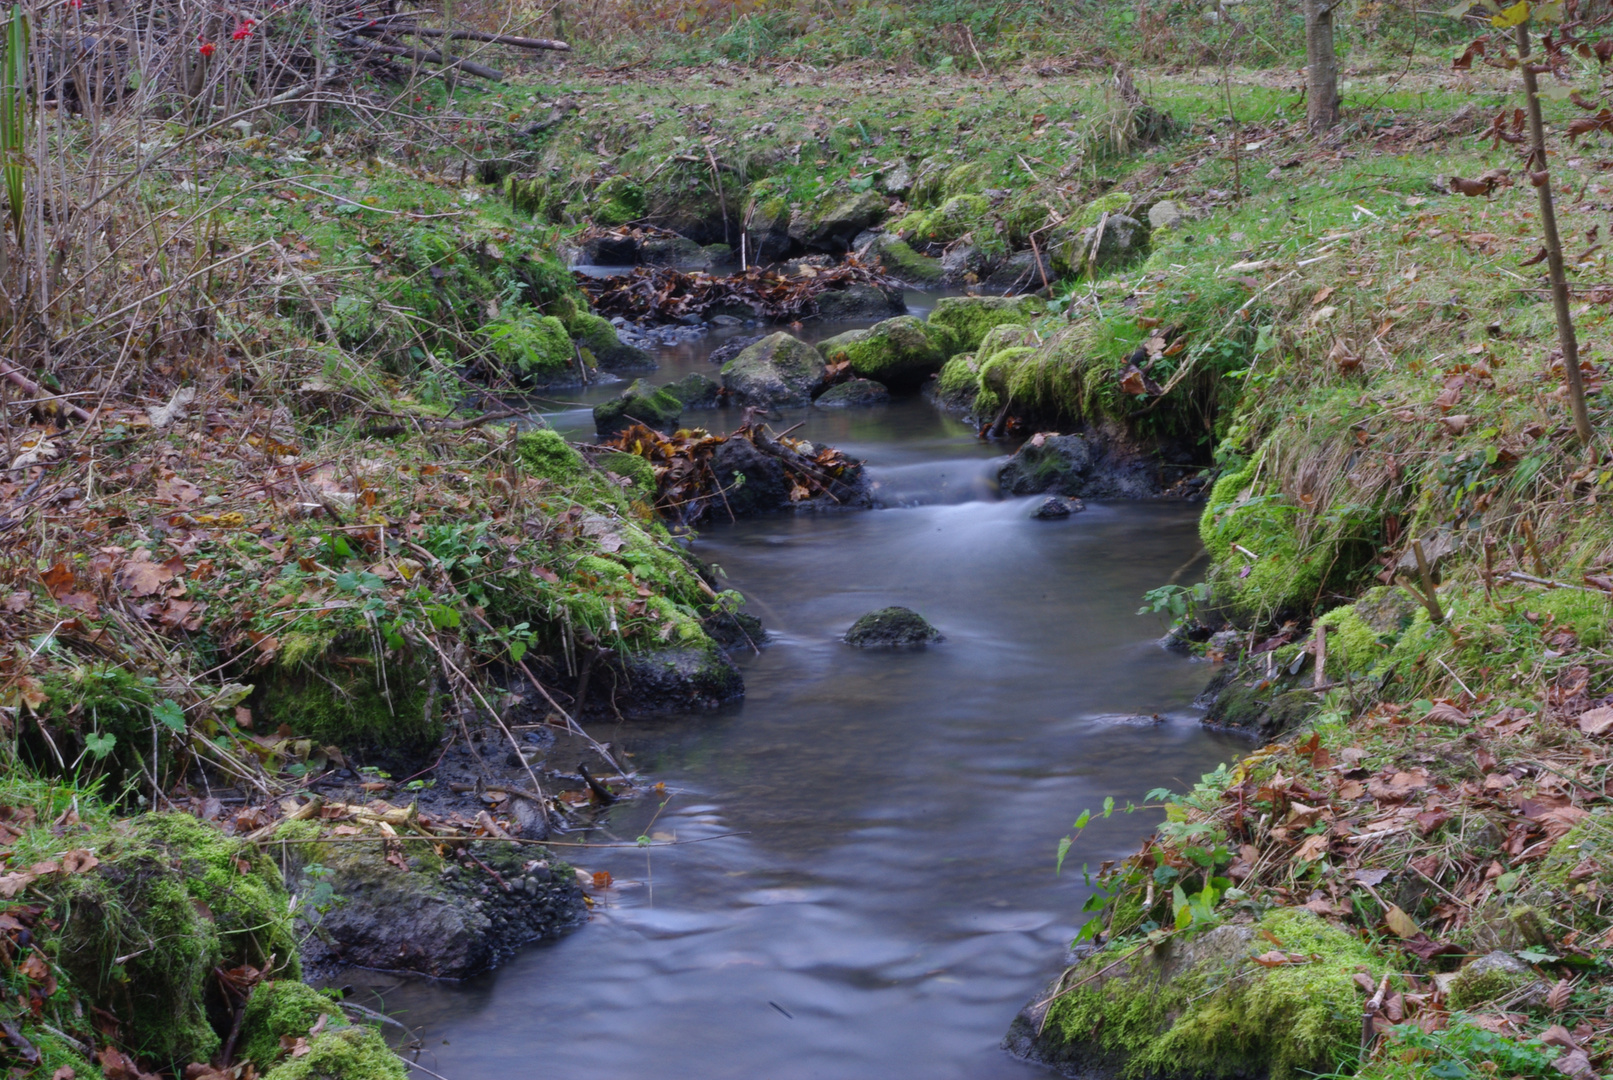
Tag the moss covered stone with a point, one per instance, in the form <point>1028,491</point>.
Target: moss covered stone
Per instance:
<point>172,900</point>
<point>641,403</point>
<point>970,317</point>
<point>959,382</point>
<point>334,689</point>
<point>348,1053</point>
<point>892,627</point>
<point>1491,977</point>
<point>605,346</point>
<point>899,352</point>
<point>1361,635</point>
<point>282,1008</point>
<point>969,178</point>
<point>695,391</point>
<point>901,261</point>
<point>830,223</point>
<point>954,219</point>
<point>1202,1007</point>
<point>854,393</point>
<point>778,370</point>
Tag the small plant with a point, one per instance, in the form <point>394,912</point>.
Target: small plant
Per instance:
<point>1177,601</point>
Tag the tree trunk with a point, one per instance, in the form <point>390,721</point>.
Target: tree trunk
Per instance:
<point>1321,66</point>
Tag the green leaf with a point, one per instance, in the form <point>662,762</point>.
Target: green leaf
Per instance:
<point>1457,11</point>
<point>1081,822</point>
<point>100,745</point>
<point>1108,806</point>
<point>1064,849</point>
<point>443,617</point>
<point>517,650</point>
<point>169,714</point>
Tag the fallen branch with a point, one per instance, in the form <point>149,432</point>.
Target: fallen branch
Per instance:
<point>427,56</point>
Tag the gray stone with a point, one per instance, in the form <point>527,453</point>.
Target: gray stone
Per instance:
<point>686,678</point>
<point>676,251</point>
<point>897,181</point>
<point>1165,214</point>
<point>1092,466</point>
<point>695,391</point>
<point>859,302</point>
<point>1020,273</point>
<point>1125,239</point>
<point>857,393</point>
<point>778,370</point>
<point>1054,508</point>
<point>892,627</point>
<point>832,222</point>
<point>640,403</point>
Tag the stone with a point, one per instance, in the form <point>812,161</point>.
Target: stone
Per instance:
<point>767,236</point>
<point>1125,239</point>
<point>1093,465</point>
<point>894,255</point>
<point>892,627</point>
<point>778,370</point>
<point>695,391</point>
<point>1020,273</point>
<point>857,393</point>
<point>972,316</point>
<point>730,349</point>
<point>684,678</point>
<point>859,302</point>
<point>899,352</point>
<point>958,384</point>
<point>1054,508</point>
<point>897,181</point>
<point>675,251</point>
<point>640,403</point>
<point>605,345</point>
<point>752,482</point>
<point>965,263</point>
<point>831,223</point>
<point>1494,975</point>
<point>1047,463</point>
<point>1166,214</point>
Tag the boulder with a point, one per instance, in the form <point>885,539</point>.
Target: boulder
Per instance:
<point>778,370</point>
<point>965,264</point>
<point>831,223</point>
<point>640,403</point>
<point>900,352</point>
<point>1166,214</point>
<point>732,348</point>
<point>857,393</point>
<point>684,678</point>
<point>959,382</point>
<point>428,916</point>
<point>752,482</point>
<point>1054,508</point>
<point>1083,466</point>
<point>603,343</point>
<point>767,236</point>
<point>892,627</point>
<point>971,316</point>
<point>676,251</point>
<point>1125,239</point>
<point>695,391</point>
<point>1020,273</point>
<point>897,181</point>
<point>893,255</point>
<point>859,302</point>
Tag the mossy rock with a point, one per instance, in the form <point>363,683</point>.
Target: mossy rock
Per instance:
<point>282,1008</point>
<point>695,391</point>
<point>1115,202</point>
<point>640,403</point>
<point>1361,635</point>
<point>605,346</point>
<point>954,219</point>
<point>853,394</point>
<point>1262,708</point>
<point>899,260</point>
<point>899,352</point>
<point>892,628</point>
<point>778,370</point>
<point>830,223</point>
<point>1491,977</point>
<point>967,179</point>
<point>535,195</point>
<point>694,676</point>
<point>959,382</point>
<point>544,453</point>
<point>616,202</point>
<point>1005,336</point>
<point>348,1053</point>
<point>970,317</point>
<point>1201,1006</point>
<point>1124,241</point>
<point>172,901</point>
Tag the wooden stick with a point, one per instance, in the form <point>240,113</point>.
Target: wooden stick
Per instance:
<point>1534,546</point>
<point>27,385</point>
<point>1427,578</point>
<point>1321,657</point>
<point>495,39</point>
<point>428,56</point>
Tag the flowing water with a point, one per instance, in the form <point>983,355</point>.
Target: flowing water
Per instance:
<point>877,895</point>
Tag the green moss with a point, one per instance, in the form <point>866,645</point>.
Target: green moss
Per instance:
<point>349,1053</point>
<point>970,317</point>
<point>616,202</point>
<point>344,695</point>
<point>1222,1015</point>
<point>1480,982</point>
<point>633,468</point>
<point>906,263</point>
<point>530,348</point>
<point>956,218</point>
<point>173,900</point>
<point>1116,202</point>
<point>897,351</point>
<point>1282,577</point>
<point>537,196</point>
<point>282,1008</point>
<point>544,453</point>
<point>1360,635</point>
<point>959,382</point>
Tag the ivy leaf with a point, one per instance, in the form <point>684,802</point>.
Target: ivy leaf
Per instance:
<point>169,714</point>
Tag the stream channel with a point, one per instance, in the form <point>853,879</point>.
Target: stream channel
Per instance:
<point>889,901</point>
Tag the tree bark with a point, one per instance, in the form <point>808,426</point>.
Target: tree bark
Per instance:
<point>1321,67</point>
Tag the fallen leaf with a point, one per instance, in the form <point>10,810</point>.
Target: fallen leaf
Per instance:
<point>1373,878</point>
<point>1313,848</point>
<point>1598,721</point>
<point>79,861</point>
<point>1401,924</point>
<point>1281,959</point>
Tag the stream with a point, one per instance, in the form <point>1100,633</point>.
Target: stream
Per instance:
<point>877,897</point>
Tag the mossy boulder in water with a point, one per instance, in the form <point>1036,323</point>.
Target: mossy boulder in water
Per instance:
<point>283,1009</point>
<point>778,370</point>
<point>971,316</point>
<point>695,390</point>
<point>892,627</point>
<point>897,258</point>
<point>605,346</point>
<point>691,677</point>
<point>1094,465</point>
<point>899,352</point>
<point>854,394</point>
<point>859,302</point>
<point>615,202</point>
<point>1203,1007</point>
<point>640,403</point>
<point>959,382</point>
